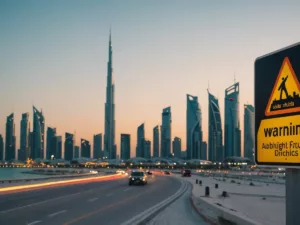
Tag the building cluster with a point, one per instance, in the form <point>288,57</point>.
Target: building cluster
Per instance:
<point>32,141</point>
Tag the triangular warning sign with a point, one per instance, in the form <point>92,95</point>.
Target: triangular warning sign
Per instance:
<point>285,94</point>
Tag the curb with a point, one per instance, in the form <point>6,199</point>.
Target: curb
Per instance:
<point>198,211</point>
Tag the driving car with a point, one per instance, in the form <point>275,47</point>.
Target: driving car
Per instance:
<point>186,173</point>
<point>149,172</point>
<point>138,177</point>
<point>167,173</point>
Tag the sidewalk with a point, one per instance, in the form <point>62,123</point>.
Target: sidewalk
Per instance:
<point>258,204</point>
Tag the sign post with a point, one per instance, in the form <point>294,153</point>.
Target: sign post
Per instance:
<point>277,120</point>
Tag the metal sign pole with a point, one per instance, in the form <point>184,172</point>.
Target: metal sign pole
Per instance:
<point>292,196</point>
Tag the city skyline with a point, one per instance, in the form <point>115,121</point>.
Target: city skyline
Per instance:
<point>69,83</point>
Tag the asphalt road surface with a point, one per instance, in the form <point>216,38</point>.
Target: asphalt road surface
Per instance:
<point>105,202</point>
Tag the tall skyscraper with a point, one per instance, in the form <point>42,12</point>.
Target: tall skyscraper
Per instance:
<point>57,147</point>
<point>156,141</point>
<point>24,137</point>
<point>232,121</point>
<point>147,149</point>
<point>193,127</point>
<point>76,152</point>
<point>10,138</point>
<point>109,135</point>
<point>166,133</point>
<point>203,150</point>
<point>85,148</point>
<point>69,146</point>
<point>1,148</point>
<point>50,144</point>
<point>177,147</point>
<point>140,140</point>
<point>215,135</point>
<point>38,134</point>
<point>249,131</point>
<point>125,146</point>
<point>97,146</point>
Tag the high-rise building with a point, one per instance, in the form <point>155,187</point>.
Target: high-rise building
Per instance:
<point>125,146</point>
<point>57,147</point>
<point>50,144</point>
<point>10,138</point>
<point>166,133</point>
<point>38,134</point>
<point>85,148</point>
<point>177,147</point>
<point>110,124</point>
<point>1,148</point>
<point>24,138</point>
<point>140,140</point>
<point>193,127</point>
<point>76,152</point>
<point>156,141</point>
<point>232,141</point>
<point>215,135</point>
<point>69,146</point>
<point>147,149</point>
<point>97,146</point>
<point>203,150</point>
<point>249,131</point>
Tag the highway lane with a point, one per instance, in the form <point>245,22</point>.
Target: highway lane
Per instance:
<point>106,202</point>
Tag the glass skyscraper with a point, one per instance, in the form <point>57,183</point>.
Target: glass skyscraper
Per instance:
<point>85,148</point>
<point>10,138</point>
<point>24,137</point>
<point>1,147</point>
<point>140,140</point>
<point>156,141</point>
<point>166,133</point>
<point>232,121</point>
<point>69,146</point>
<point>177,147</point>
<point>147,149</point>
<point>215,136</point>
<point>193,128</point>
<point>37,150</point>
<point>50,144</point>
<point>110,123</point>
<point>97,148</point>
<point>249,131</point>
<point>125,146</point>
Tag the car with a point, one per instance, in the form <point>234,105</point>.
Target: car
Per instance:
<point>138,177</point>
<point>167,173</point>
<point>120,171</point>
<point>186,173</point>
<point>149,173</point>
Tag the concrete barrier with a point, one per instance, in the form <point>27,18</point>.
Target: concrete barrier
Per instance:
<point>217,211</point>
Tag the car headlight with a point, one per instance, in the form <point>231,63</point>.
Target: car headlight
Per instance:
<point>132,178</point>
<point>144,178</point>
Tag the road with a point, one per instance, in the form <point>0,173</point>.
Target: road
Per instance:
<point>179,211</point>
<point>105,202</point>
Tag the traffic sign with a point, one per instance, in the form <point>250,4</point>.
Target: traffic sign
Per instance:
<point>277,108</point>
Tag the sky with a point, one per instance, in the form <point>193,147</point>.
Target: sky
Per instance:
<point>53,54</point>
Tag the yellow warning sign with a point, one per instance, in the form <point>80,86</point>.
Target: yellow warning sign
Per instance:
<point>285,94</point>
<point>278,140</point>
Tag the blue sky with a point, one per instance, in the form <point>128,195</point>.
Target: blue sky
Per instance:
<point>53,54</point>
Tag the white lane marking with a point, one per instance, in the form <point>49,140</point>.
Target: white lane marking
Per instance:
<point>54,214</point>
<point>35,222</point>
<point>38,203</point>
<point>110,194</point>
<point>127,189</point>
<point>93,199</point>
<point>150,211</point>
